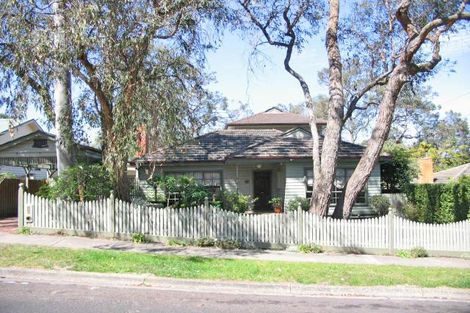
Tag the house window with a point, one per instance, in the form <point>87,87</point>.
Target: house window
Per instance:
<point>40,143</point>
<point>208,179</point>
<point>341,177</point>
<point>212,180</point>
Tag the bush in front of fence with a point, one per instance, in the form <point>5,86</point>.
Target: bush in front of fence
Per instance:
<point>293,204</point>
<point>414,253</point>
<point>310,248</point>
<point>83,182</point>
<point>439,203</point>
<point>380,204</point>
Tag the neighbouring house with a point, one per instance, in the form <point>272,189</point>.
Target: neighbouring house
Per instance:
<point>452,174</point>
<point>28,152</point>
<point>263,155</point>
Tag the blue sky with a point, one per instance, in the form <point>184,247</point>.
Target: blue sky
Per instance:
<point>263,82</point>
<point>267,84</point>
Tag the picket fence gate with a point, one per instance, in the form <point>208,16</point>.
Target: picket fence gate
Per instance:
<point>116,217</point>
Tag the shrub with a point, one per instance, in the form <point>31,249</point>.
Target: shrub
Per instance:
<point>398,170</point>
<point>204,242</point>
<point>178,242</point>
<point>310,248</point>
<point>380,204</point>
<point>79,183</point>
<point>293,204</point>
<point>410,211</point>
<point>228,244</point>
<point>24,230</point>
<point>139,238</point>
<point>439,203</point>
<point>403,254</point>
<point>190,192</point>
<point>417,252</point>
<point>235,202</point>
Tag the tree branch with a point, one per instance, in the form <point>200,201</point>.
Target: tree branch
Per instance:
<point>352,103</point>
<point>175,29</point>
<point>258,24</point>
<point>404,19</point>
<point>448,22</point>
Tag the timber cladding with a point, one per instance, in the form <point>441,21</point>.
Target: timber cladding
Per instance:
<point>9,195</point>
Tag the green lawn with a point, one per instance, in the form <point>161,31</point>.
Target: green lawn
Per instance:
<point>229,269</point>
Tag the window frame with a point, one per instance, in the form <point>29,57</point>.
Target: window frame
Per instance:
<point>203,181</point>
<point>336,191</point>
<point>44,141</point>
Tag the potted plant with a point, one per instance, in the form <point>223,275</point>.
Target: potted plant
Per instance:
<point>276,202</point>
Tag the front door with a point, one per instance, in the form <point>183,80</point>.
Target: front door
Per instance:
<point>262,190</point>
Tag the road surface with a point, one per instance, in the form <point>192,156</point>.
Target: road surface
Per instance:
<point>44,297</point>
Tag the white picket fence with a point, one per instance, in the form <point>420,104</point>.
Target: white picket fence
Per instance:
<point>115,217</point>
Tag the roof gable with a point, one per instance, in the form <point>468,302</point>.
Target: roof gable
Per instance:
<point>297,132</point>
<point>20,130</point>
<point>274,116</point>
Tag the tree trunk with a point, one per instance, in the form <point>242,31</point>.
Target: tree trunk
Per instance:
<point>323,183</point>
<point>374,146</point>
<point>65,146</point>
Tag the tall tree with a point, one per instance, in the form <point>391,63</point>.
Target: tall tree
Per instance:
<point>65,144</point>
<point>288,25</point>
<point>404,30</point>
<point>143,63</point>
<point>133,63</point>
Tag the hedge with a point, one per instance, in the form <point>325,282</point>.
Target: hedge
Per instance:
<point>439,203</point>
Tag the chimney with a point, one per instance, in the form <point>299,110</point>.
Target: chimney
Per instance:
<point>426,172</point>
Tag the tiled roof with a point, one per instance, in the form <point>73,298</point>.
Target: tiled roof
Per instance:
<point>245,144</point>
<point>215,146</point>
<point>452,173</point>
<point>274,118</point>
<point>284,147</point>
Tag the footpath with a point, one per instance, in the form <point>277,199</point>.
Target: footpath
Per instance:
<point>263,255</point>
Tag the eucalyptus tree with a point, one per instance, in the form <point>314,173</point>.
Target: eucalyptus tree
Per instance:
<point>289,25</point>
<point>31,58</point>
<point>65,144</point>
<point>402,39</point>
<point>143,62</point>
<point>378,47</point>
<point>133,63</point>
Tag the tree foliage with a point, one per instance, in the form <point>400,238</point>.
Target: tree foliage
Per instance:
<point>82,182</point>
<point>439,203</point>
<point>446,141</point>
<point>398,170</point>
<point>133,63</point>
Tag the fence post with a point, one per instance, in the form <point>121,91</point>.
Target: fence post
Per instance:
<point>206,217</point>
<point>112,212</point>
<point>300,225</point>
<point>21,205</point>
<point>391,231</point>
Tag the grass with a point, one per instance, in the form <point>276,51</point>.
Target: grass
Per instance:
<point>229,269</point>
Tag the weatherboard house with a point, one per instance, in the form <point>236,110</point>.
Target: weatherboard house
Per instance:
<point>29,152</point>
<point>265,155</point>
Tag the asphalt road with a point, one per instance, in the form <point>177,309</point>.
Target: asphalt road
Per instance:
<point>28,297</point>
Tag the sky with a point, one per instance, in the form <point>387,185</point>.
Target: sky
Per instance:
<point>263,82</point>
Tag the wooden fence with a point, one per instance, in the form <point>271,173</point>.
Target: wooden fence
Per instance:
<point>115,217</point>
